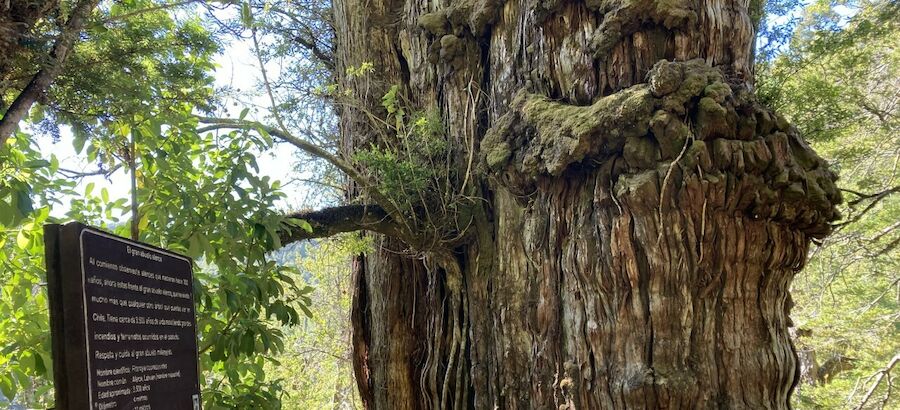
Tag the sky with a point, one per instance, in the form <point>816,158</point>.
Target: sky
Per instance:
<point>237,69</point>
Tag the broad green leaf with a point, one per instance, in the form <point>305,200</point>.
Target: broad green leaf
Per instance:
<point>8,386</point>
<point>23,202</point>
<point>246,15</point>
<point>23,240</point>
<point>78,142</point>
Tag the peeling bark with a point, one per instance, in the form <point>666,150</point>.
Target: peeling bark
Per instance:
<point>639,215</point>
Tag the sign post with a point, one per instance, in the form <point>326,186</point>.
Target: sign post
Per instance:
<point>122,321</point>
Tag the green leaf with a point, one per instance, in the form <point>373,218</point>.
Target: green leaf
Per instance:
<point>8,387</point>
<point>78,141</point>
<point>195,248</point>
<point>39,367</point>
<point>23,240</point>
<point>8,215</point>
<point>246,15</point>
<point>300,223</point>
<point>232,300</point>
<point>54,163</point>
<point>248,342</point>
<point>305,310</point>
<point>36,163</point>
<point>218,352</point>
<point>23,202</point>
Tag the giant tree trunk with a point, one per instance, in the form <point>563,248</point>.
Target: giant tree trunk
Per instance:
<point>638,215</point>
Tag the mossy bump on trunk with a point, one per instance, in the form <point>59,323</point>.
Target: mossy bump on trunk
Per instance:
<point>635,215</point>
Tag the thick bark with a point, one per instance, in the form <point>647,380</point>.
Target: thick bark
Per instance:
<point>636,230</point>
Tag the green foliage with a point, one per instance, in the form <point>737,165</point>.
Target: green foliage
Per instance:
<point>412,163</point>
<point>27,177</point>
<point>25,362</point>
<point>200,194</point>
<point>28,187</point>
<point>838,83</point>
<point>415,168</point>
<point>772,36</point>
<point>147,64</point>
<point>315,368</point>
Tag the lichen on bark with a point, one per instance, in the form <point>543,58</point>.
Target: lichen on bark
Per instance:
<point>634,236</point>
<point>564,134</point>
<point>625,17</point>
<point>687,116</point>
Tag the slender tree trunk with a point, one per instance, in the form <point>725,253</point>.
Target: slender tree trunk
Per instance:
<point>41,80</point>
<point>639,215</point>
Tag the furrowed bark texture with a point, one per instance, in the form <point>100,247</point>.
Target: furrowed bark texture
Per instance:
<point>641,215</point>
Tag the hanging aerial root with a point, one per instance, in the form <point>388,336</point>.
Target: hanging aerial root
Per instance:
<point>445,373</point>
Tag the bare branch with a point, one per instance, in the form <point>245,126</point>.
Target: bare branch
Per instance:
<point>73,174</point>
<point>884,232</point>
<point>348,218</point>
<point>876,196</point>
<point>875,199</point>
<point>305,146</point>
<point>308,39</point>
<point>889,247</point>
<point>879,376</point>
<point>265,78</point>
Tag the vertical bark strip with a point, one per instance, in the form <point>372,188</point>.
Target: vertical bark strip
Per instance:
<point>640,215</point>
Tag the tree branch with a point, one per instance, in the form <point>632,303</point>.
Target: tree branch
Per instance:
<point>73,174</point>
<point>309,148</point>
<point>158,7</point>
<point>306,146</point>
<point>348,218</point>
<point>265,78</point>
<point>308,39</point>
<point>46,75</point>
<point>879,376</point>
<point>876,198</point>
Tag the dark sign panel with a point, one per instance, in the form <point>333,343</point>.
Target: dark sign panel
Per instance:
<point>124,329</point>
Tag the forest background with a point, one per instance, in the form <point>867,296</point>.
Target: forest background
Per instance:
<point>135,118</point>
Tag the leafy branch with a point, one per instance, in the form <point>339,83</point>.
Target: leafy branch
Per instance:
<point>312,149</point>
<point>46,75</point>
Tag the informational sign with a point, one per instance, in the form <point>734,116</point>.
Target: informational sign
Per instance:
<point>123,322</point>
